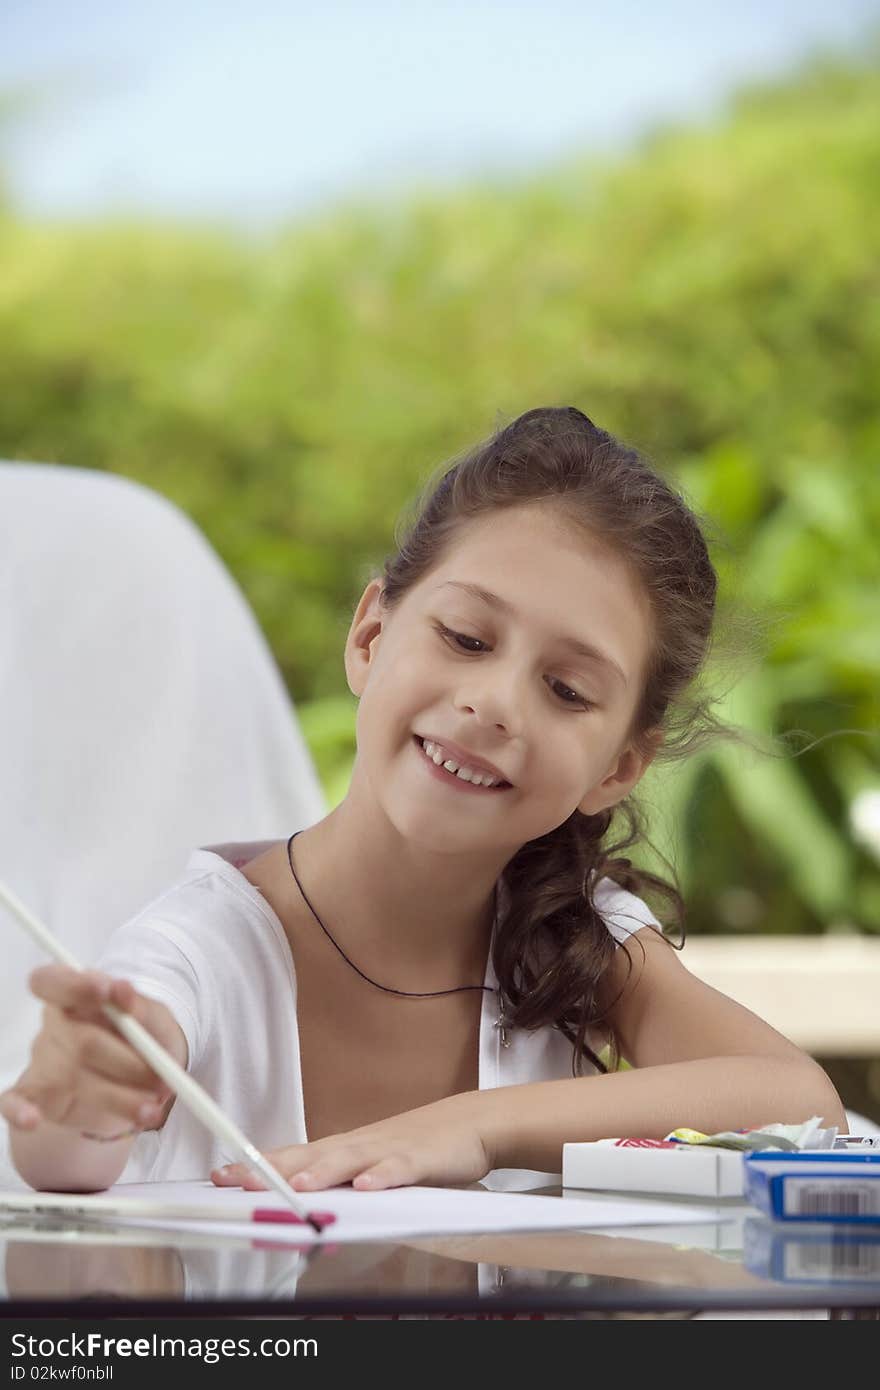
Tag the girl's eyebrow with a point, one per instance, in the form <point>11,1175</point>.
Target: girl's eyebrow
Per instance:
<point>584,649</point>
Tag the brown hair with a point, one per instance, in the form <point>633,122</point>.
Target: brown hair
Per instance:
<point>556,456</point>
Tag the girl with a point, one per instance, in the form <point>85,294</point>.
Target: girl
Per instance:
<point>416,989</point>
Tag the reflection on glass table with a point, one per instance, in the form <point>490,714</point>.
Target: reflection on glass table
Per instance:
<point>739,1260</point>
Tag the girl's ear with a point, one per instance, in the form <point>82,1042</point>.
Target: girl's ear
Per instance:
<point>628,769</point>
<point>366,628</point>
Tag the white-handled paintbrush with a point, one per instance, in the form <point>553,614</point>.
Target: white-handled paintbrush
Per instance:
<point>187,1090</point>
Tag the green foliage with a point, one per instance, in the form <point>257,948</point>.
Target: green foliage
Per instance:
<point>712,297</point>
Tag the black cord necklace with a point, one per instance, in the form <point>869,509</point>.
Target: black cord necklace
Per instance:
<point>501,1022</point>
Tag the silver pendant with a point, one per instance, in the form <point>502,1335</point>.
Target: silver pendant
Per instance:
<point>501,1023</point>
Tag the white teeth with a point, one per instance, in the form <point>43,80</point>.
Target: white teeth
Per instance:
<point>467,774</point>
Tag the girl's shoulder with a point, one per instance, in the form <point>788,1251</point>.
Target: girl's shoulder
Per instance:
<point>623,913</point>
<point>210,907</point>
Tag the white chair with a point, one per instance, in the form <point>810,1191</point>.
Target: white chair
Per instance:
<point>143,716</point>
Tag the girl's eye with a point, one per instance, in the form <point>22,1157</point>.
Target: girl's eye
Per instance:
<point>460,638</point>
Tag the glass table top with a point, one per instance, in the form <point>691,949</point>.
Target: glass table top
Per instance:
<point>735,1259</point>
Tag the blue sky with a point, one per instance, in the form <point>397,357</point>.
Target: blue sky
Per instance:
<point>253,112</point>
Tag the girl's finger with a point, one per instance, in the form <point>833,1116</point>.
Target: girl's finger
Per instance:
<point>19,1112</point>
<point>252,1181</point>
<point>81,994</point>
<point>284,1161</point>
<point>102,1105</point>
<point>132,1107</point>
<point>231,1175</point>
<point>388,1172</point>
<point>70,989</point>
<point>123,994</point>
<point>108,1055</point>
<point>224,1177</point>
<point>329,1170</point>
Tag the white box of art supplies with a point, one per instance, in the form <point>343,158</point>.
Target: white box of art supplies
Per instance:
<point>686,1163</point>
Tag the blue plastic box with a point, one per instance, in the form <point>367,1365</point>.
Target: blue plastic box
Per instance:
<point>819,1185</point>
<point>792,1252</point>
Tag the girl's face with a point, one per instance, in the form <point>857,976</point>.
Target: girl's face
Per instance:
<point>503,681</point>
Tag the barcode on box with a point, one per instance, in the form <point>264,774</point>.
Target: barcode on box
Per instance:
<point>831,1260</point>
<point>842,1197</point>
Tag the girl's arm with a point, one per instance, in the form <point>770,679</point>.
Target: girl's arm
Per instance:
<point>700,1060</point>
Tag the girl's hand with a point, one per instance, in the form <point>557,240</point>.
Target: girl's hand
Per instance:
<point>83,1073</point>
<point>438,1143</point>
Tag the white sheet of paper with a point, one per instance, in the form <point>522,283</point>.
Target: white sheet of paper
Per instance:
<point>399,1213</point>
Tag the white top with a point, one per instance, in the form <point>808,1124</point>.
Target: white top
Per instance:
<point>212,949</point>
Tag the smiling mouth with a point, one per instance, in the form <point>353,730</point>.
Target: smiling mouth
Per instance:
<point>461,781</point>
